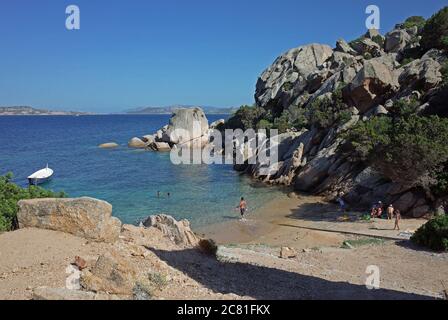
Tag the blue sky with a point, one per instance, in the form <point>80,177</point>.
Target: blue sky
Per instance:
<point>153,53</point>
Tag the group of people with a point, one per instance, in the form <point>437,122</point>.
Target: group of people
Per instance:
<point>392,213</point>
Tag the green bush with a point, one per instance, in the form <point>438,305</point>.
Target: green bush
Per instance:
<point>415,21</point>
<point>282,123</point>
<point>406,149</point>
<point>264,124</point>
<point>435,32</point>
<point>247,117</point>
<point>10,194</point>
<point>434,234</point>
<point>326,112</point>
<point>379,39</point>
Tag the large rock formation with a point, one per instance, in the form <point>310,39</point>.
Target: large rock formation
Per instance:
<point>291,74</point>
<point>188,127</point>
<point>84,217</point>
<point>372,75</point>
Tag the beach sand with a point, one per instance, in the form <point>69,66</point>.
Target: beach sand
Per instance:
<point>302,222</point>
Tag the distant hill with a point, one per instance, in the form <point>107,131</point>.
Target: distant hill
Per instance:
<point>171,109</point>
<point>30,111</point>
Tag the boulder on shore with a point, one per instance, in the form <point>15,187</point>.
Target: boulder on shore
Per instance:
<point>178,231</point>
<point>83,217</point>
<point>111,273</point>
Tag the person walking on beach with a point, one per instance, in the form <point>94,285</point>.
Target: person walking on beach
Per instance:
<point>390,212</point>
<point>243,207</point>
<point>397,220</point>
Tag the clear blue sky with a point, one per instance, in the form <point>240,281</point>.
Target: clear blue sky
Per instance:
<point>144,52</point>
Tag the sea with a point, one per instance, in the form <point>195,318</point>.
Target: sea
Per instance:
<point>128,179</point>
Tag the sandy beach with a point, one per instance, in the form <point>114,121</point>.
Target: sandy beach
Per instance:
<point>302,222</point>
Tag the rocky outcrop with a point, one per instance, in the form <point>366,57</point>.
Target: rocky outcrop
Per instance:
<point>84,217</point>
<point>290,75</point>
<point>188,127</point>
<point>109,145</point>
<point>178,231</point>
<point>136,143</point>
<point>112,274</point>
<point>372,75</point>
<point>373,84</point>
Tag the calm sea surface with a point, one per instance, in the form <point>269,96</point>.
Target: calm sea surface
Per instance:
<point>128,179</point>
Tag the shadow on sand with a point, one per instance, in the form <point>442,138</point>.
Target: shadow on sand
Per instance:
<point>261,282</point>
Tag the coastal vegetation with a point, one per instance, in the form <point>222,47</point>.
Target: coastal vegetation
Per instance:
<point>434,234</point>
<point>407,150</point>
<point>11,194</point>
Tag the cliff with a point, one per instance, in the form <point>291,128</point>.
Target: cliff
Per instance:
<point>359,120</point>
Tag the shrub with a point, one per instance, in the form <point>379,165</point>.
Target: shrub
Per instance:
<point>10,194</point>
<point>414,21</point>
<point>379,39</point>
<point>282,123</point>
<point>326,112</point>
<point>434,234</point>
<point>247,117</point>
<point>264,124</point>
<point>407,150</point>
<point>435,32</point>
<point>444,72</point>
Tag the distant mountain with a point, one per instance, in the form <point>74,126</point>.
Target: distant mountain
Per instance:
<point>30,111</point>
<point>171,109</point>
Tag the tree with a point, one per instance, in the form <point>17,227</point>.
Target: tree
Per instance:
<point>435,32</point>
<point>414,21</point>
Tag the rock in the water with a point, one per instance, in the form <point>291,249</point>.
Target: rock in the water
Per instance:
<point>109,145</point>
<point>159,146</point>
<point>136,143</point>
<point>178,231</point>
<point>187,127</point>
<point>111,274</point>
<point>83,217</point>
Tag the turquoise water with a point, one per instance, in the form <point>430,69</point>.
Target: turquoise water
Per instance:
<point>128,179</point>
